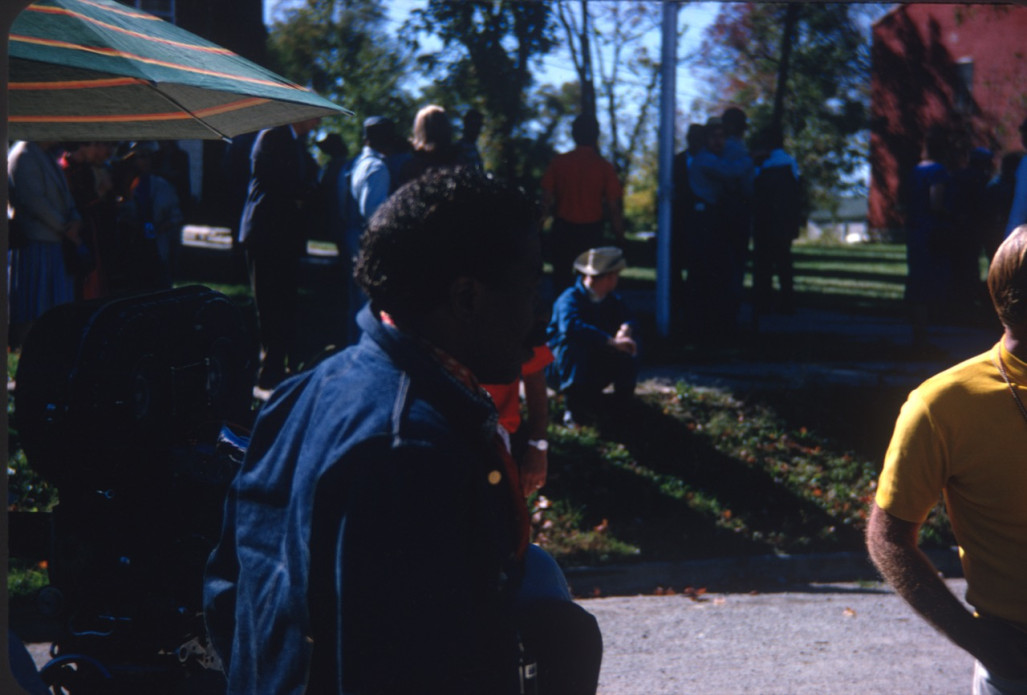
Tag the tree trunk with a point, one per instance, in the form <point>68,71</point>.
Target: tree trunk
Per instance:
<point>588,88</point>
<point>787,37</point>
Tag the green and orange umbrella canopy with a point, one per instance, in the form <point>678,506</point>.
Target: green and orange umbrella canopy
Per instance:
<point>96,70</point>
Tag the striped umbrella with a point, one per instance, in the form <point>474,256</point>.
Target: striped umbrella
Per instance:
<point>98,70</point>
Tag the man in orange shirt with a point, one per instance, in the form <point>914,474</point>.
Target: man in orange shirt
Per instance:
<point>577,189</point>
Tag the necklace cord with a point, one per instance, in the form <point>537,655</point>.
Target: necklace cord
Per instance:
<point>1000,364</point>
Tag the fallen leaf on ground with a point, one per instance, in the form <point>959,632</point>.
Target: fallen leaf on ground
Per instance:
<point>695,594</point>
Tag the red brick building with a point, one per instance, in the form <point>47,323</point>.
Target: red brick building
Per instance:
<point>960,67</point>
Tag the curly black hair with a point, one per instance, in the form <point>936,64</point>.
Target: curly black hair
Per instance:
<point>447,224</point>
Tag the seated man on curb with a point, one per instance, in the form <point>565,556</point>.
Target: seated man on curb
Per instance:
<point>963,433</point>
<point>375,539</point>
<point>591,336</point>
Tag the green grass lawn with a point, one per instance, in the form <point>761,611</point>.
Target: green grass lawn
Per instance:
<point>852,271</point>
<point>698,473</point>
<point>852,274</point>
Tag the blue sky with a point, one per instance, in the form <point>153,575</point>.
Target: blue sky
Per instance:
<point>558,68</point>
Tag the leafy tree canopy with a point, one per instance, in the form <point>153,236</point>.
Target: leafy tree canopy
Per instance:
<point>343,50</point>
<point>827,87</point>
<point>489,51</point>
<point>618,73</point>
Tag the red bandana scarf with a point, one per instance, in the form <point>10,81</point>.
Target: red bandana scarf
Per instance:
<point>522,525</point>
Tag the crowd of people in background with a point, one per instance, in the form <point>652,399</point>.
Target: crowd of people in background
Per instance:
<point>739,201</point>
<point>957,210</point>
<point>289,198</point>
<point>739,204</point>
<point>730,196</point>
<point>90,219</point>
<point>111,221</point>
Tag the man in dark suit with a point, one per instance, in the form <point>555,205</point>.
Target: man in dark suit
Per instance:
<point>283,178</point>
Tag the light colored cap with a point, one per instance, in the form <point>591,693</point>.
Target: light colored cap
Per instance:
<point>142,147</point>
<point>605,259</point>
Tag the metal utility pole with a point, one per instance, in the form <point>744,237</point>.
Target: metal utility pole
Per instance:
<point>668,103</point>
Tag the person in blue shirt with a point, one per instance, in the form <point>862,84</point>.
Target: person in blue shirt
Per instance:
<point>736,212</point>
<point>592,336</point>
<point>713,291</point>
<point>687,211</point>
<point>365,187</point>
<point>1018,209</point>
<point>777,217</point>
<point>370,181</point>
<point>375,539</point>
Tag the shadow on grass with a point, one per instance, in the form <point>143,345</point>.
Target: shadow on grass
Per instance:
<point>810,347</point>
<point>668,491</point>
<point>858,418</point>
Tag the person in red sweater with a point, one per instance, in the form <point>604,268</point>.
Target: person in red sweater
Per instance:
<point>578,187</point>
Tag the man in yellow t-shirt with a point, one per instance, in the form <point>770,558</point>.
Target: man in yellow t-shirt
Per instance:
<point>963,433</point>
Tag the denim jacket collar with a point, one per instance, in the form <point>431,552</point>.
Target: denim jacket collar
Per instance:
<point>412,355</point>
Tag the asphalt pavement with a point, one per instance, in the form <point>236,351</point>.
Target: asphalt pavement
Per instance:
<point>817,639</point>
<point>804,639</point>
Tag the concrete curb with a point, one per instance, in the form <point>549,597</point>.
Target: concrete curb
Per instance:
<point>734,574</point>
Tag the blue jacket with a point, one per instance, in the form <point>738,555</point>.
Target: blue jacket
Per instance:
<point>368,546</point>
<point>580,328</point>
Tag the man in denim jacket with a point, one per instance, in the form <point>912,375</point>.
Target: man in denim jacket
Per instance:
<point>374,538</point>
<point>591,334</point>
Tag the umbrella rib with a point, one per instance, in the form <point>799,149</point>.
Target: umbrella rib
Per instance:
<point>181,106</point>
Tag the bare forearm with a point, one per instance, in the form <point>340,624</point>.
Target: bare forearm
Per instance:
<point>915,579</point>
<point>536,401</point>
<point>535,461</point>
<point>893,548</point>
